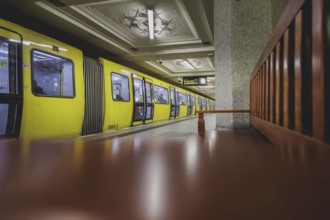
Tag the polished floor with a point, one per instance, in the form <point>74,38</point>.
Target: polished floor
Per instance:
<point>169,173</point>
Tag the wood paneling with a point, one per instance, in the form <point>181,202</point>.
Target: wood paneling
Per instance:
<point>267,92</point>
<point>287,17</point>
<point>298,73</point>
<point>272,87</point>
<point>292,91</point>
<point>279,84</point>
<point>318,77</point>
<point>262,102</point>
<point>288,79</point>
<point>281,136</point>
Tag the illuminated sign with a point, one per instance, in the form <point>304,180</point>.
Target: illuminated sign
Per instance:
<point>195,81</point>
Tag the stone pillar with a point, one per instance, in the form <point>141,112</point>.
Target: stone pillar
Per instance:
<point>241,30</point>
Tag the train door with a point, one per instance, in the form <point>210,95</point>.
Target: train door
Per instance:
<point>149,114</point>
<point>189,111</point>
<point>143,101</point>
<point>93,79</point>
<point>11,85</point>
<point>175,107</point>
<point>199,104</point>
<point>191,104</point>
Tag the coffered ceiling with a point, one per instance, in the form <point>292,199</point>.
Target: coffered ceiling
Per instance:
<point>183,43</point>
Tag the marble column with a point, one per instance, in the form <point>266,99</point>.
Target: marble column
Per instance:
<point>241,29</point>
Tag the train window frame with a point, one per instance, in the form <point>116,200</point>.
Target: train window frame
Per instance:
<point>192,100</point>
<point>33,85</point>
<point>168,102</point>
<point>138,97</point>
<point>10,81</point>
<point>199,101</point>
<point>186,97</point>
<point>128,86</point>
<point>151,90</point>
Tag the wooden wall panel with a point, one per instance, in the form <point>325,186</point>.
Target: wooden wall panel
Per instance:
<point>267,90</point>
<point>272,87</point>
<point>298,73</point>
<point>279,84</point>
<point>262,102</point>
<point>288,79</point>
<point>291,84</point>
<point>260,91</point>
<point>318,70</point>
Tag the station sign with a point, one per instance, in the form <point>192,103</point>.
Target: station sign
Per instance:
<point>195,81</point>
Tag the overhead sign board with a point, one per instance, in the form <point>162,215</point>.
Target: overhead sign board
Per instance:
<point>195,81</point>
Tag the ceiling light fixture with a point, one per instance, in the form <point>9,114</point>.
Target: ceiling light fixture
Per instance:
<point>151,24</point>
<point>202,81</point>
<point>190,65</point>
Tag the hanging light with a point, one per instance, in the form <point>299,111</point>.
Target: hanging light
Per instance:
<point>151,24</point>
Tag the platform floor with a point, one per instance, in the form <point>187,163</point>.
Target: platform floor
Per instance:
<point>161,129</point>
<point>167,174</point>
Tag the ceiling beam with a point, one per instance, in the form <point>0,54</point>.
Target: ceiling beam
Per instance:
<point>204,51</point>
<point>208,73</point>
<point>17,2</point>
<point>201,19</point>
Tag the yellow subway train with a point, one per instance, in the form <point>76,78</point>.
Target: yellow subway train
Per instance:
<point>48,89</point>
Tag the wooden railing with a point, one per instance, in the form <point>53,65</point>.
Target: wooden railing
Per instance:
<point>289,86</point>
<point>201,121</point>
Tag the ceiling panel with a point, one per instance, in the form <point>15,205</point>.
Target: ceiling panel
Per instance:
<point>128,21</point>
<point>183,32</point>
<point>189,65</point>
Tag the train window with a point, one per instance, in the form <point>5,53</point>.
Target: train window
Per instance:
<point>204,103</point>
<point>8,66</point>
<point>52,75</point>
<point>120,87</point>
<point>138,90</point>
<point>161,95</point>
<point>200,103</point>
<point>182,98</point>
<point>149,92</point>
<point>8,114</point>
<point>172,97</point>
<point>177,97</point>
<point>192,100</point>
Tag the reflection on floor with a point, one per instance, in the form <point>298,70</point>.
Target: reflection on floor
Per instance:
<point>164,174</point>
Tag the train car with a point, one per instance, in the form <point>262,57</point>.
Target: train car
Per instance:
<point>42,93</point>
<point>162,101</point>
<point>133,98</point>
<point>199,103</point>
<point>183,103</point>
<point>48,89</point>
